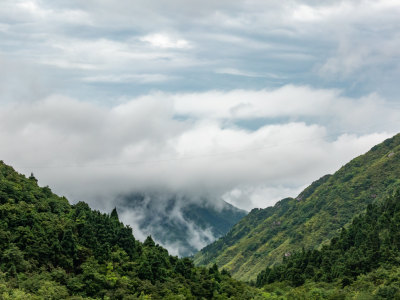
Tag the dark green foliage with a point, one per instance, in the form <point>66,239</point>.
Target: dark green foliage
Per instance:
<point>50,249</point>
<point>114,214</point>
<point>371,241</point>
<point>311,219</point>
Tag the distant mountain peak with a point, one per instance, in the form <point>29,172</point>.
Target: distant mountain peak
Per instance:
<point>179,223</point>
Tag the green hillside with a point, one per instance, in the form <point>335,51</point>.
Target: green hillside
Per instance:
<point>362,262</point>
<point>178,219</point>
<point>50,249</point>
<point>264,236</point>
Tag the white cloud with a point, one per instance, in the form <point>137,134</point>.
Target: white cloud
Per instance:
<point>293,102</point>
<point>94,152</point>
<point>126,78</point>
<point>255,196</point>
<point>165,41</point>
<point>98,53</point>
<point>236,72</point>
<point>35,11</point>
<point>100,56</point>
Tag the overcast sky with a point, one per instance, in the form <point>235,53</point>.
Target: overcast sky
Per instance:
<point>245,100</point>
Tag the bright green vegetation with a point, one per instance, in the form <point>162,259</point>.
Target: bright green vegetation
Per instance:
<point>264,236</point>
<point>50,249</point>
<point>362,262</point>
<point>159,218</point>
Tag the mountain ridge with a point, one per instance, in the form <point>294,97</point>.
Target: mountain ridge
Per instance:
<point>264,236</point>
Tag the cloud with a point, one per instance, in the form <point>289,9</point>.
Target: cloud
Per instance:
<point>126,78</point>
<point>163,217</point>
<point>164,41</point>
<point>33,10</point>
<point>184,143</point>
<point>352,46</point>
<point>290,102</point>
<point>237,72</point>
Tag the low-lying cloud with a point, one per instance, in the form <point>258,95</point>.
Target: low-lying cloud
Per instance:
<point>194,143</point>
<point>165,217</point>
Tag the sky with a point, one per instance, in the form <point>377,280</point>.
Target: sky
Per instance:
<point>247,101</point>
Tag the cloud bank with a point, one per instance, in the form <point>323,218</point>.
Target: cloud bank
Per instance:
<point>196,143</point>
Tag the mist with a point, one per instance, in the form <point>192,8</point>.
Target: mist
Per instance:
<point>94,153</point>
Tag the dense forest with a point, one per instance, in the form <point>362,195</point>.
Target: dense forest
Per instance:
<point>50,249</point>
<point>309,220</point>
<point>363,260</point>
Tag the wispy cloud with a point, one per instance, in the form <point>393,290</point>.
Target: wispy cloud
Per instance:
<point>236,72</point>
<point>164,41</point>
<point>126,78</point>
<point>326,44</point>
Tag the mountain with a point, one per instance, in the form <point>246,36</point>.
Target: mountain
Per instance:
<point>362,262</point>
<point>50,249</point>
<point>308,221</point>
<point>180,224</point>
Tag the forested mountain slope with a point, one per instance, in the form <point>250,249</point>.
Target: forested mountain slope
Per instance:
<point>180,224</point>
<point>362,262</point>
<point>50,249</point>
<point>264,236</point>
